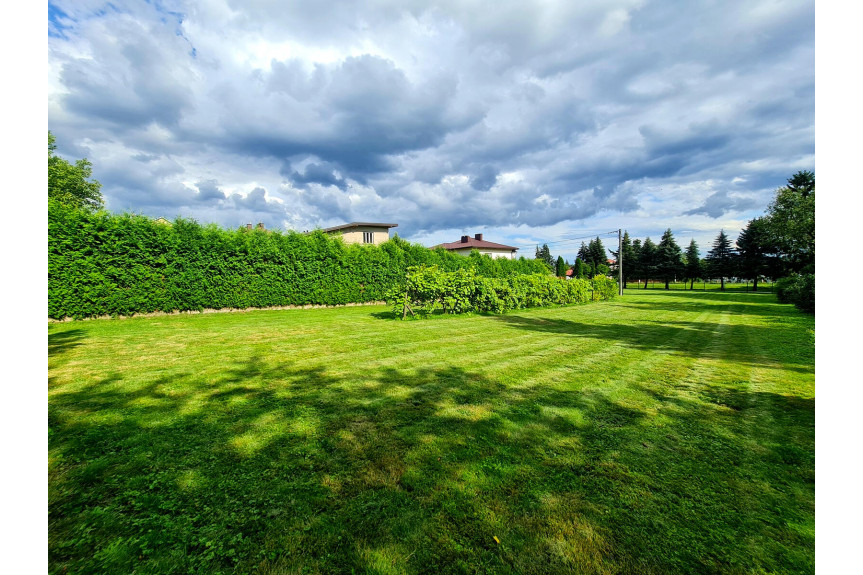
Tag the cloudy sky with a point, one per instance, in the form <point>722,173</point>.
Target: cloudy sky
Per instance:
<point>530,122</point>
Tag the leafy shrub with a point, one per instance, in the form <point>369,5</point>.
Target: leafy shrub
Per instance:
<point>798,289</point>
<point>427,288</point>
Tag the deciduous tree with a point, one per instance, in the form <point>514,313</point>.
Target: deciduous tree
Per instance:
<point>71,184</point>
<point>791,221</point>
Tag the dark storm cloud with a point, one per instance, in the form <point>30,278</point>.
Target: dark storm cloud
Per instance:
<point>325,174</point>
<point>209,190</point>
<point>484,178</point>
<point>720,203</point>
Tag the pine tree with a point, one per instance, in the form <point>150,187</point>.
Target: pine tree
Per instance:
<point>596,253</point>
<point>628,257</point>
<point>756,253</point>
<point>669,258</point>
<point>561,267</point>
<point>721,259</point>
<point>693,269</point>
<point>634,265</point>
<point>647,260</point>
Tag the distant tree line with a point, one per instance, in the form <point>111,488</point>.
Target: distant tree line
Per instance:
<point>779,245</point>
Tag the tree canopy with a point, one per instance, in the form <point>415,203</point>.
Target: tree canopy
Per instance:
<point>71,184</point>
<point>791,222</point>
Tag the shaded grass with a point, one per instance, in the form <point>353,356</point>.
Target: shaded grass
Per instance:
<point>656,433</point>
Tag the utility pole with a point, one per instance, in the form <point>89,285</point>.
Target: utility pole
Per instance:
<point>619,262</point>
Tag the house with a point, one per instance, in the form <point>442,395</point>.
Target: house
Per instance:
<point>362,232</point>
<point>467,244</point>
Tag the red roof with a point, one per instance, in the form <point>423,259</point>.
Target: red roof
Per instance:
<point>474,243</point>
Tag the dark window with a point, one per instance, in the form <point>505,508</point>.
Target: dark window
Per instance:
<point>368,237</point>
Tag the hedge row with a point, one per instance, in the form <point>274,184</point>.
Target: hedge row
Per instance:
<point>107,264</point>
<point>428,288</point>
<point>798,289</point>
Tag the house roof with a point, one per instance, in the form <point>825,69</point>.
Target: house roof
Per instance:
<point>359,224</point>
<point>474,243</point>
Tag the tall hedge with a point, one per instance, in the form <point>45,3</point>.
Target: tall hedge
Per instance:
<point>107,264</point>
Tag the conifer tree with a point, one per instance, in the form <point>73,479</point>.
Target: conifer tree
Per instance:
<point>693,269</point>
<point>561,267</point>
<point>647,260</point>
<point>721,259</point>
<point>669,260</point>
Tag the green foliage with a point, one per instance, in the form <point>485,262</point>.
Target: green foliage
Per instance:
<point>669,258</point>
<point>104,264</point>
<point>630,259</point>
<point>791,222</point>
<point>692,269</point>
<point>798,289</point>
<point>721,262</point>
<point>756,252</point>
<point>429,288</point>
<point>648,257</point>
<point>544,255</point>
<point>561,267</point>
<point>70,183</point>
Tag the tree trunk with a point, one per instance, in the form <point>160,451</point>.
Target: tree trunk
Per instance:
<point>755,284</point>
<point>666,284</point>
<point>722,284</point>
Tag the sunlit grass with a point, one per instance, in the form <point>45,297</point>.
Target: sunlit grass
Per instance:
<point>662,432</point>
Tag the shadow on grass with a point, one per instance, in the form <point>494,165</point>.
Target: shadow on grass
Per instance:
<point>63,341</point>
<point>276,468</point>
<point>691,338</point>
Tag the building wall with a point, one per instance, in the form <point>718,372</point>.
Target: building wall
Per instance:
<point>495,253</point>
<point>355,235</point>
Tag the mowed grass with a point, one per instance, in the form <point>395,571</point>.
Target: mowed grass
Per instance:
<point>662,432</point>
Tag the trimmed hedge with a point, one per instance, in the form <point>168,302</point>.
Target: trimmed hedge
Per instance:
<point>428,288</point>
<point>106,264</point>
<point>798,289</point>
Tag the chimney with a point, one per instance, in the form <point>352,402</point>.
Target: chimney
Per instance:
<point>464,239</point>
<point>478,236</point>
<point>248,226</point>
<point>260,225</point>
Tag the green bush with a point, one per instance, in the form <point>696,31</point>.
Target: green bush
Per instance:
<point>106,264</point>
<point>798,289</point>
<point>429,288</point>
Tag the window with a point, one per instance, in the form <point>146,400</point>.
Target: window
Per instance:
<point>368,237</point>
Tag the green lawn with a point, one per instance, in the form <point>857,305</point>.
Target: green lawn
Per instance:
<point>661,432</point>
